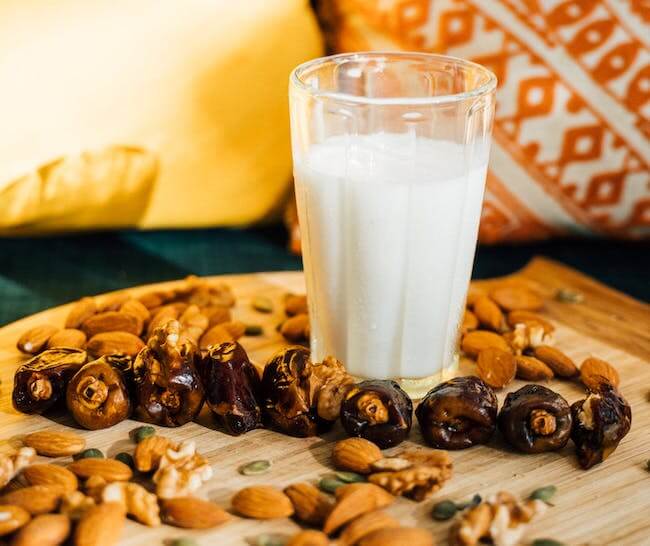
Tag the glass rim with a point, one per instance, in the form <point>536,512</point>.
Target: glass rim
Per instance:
<point>296,79</point>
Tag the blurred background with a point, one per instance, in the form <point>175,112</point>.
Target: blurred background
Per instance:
<point>142,141</point>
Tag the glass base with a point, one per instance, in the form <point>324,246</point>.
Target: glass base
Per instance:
<point>418,387</point>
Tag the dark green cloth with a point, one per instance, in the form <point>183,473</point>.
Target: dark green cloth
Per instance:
<point>37,273</point>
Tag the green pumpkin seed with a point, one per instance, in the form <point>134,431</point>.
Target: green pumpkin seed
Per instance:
<point>350,477</point>
<point>271,540</point>
<point>125,458</point>
<point>329,484</point>
<point>255,468</point>
<point>546,542</point>
<point>183,542</point>
<point>253,330</point>
<point>544,493</point>
<point>566,295</point>
<point>444,510</point>
<point>141,433</point>
<point>89,454</point>
<point>262,304</point>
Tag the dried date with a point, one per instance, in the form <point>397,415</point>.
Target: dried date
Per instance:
<point>535,419</point>
<point>232,387</point>
<point>379,411</point>
<point>458,413</point>
<point>41,382</point>
<point>169,391</point>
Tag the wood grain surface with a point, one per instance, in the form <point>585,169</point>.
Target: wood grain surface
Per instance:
<point>608,505</point>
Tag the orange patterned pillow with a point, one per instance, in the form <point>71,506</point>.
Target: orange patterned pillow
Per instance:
<point>571,147</point>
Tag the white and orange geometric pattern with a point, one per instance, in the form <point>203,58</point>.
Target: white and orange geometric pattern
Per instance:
<point>571,146</point>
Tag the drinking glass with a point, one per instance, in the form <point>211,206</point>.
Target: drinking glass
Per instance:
<point>390,154</point>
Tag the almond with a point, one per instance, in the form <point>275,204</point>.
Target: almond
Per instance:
<point>193,323</point>
<point>12,518</point>
<point>69,337</point>
<point>110,343</point>
<point>528,317</point>
<point>310,504</point>
<point>295,305</point>
<point>34,340</point>
<point>110,470</point>
<point>262,502</point>
<point>80,311</point>
<point>192,513</point>
<point>488,314</point>
<point>156,298</point>
<point>594,372</point>
<point>45,530</point>
<point>473,293</point>
<point>55,444</point>
<point>139,311</point>
<point>309,538</point>
<point>111,321</point>
<point>470,322</point>
<point>295,328</point>
<point>235,328</point>
<point>354,500</point>
<point>36,499</point>
<point>355,454</point>
<point>149,451</point>
<point>217,314</point>
<point>410,536</point>
<point>113,302</point>
<point>496,367</point>
<point>555,359</point>
<point>516,298</point>
<point>474,342</point>
<point>215,336</point>
<point>100,525</point>
<point>56,477</point>
<point>366,524</point>
<point>531,369</point>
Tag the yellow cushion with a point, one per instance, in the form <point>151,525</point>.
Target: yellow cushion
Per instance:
<point>156,114</point>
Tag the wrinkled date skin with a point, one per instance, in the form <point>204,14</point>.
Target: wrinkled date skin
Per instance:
<point>97,396</point>
<point>379,411</point>
<point>232,387</point>
<point>600,422</point>
<point>288,393</point>
<point>535,419</point>
<point>40,383</point>
<point>169,391</point>
<point>458,413</point>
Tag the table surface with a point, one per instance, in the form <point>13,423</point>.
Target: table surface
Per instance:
<point>38,273</point>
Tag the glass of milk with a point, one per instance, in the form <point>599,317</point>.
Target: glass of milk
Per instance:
<point>390,155</point>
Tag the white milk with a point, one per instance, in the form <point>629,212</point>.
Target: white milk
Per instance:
<point>389,225</point>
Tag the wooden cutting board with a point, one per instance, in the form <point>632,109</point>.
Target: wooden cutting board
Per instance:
<point>606,506</point>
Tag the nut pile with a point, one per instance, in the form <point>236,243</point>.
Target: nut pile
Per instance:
<point>88,499</point>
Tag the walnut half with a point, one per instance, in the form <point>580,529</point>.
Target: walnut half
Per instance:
<point>502,519</point>
<point>181,471</point>
<point>11,465</point>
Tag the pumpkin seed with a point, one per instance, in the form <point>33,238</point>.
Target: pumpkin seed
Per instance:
<point>566,295</point>
<point>329,484</point>
<point>255,468</point>
<point>183,542</point>
<point>444,510</point>
<point>89,454</point>
<point>141,433</point>
<point>350,477</point>
<point>125,458</point>
<point>546,542</point>
<point>262,304</point>
<point>253,330</point>
<point>544,493</point>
